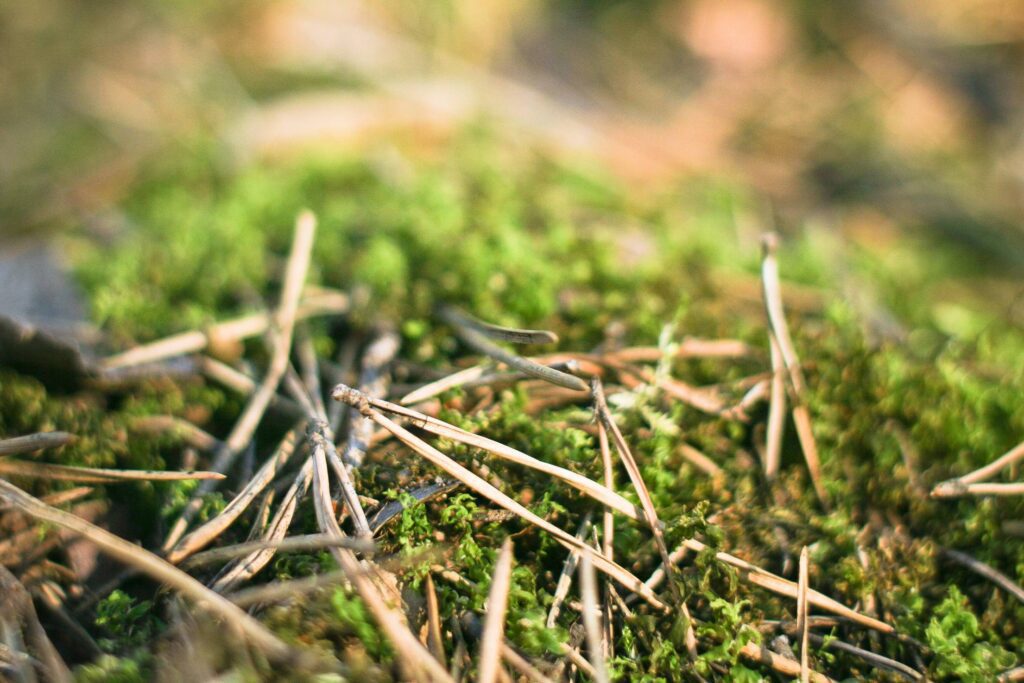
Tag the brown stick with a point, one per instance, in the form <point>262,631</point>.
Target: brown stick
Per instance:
<point>34,442</point>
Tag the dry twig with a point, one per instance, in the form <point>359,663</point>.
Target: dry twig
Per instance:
<point>494,624</point>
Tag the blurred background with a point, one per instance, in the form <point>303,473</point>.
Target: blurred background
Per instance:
<point>867,118</point>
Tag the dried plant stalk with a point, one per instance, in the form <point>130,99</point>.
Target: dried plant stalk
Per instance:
<point>592,619</point>
<point>205,534</point>
<point>96,475</point>
<point>801,615</point>
<point>473,338</point>
<point>494,624</point>
<point>317,302</point>
<point>780,331</point>
<point>34,442</point>
<point>512,335</point>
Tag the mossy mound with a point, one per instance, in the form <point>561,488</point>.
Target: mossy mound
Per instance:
<point>519,239</point>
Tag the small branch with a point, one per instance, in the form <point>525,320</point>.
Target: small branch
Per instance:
<point>801,615</point>
<point>290,544</point>
<point>315,303</point>
<point>95,475</point>
<point>35,442</point>
<point>592,619</point>
<point>780,331</point>
<point>982,569</point>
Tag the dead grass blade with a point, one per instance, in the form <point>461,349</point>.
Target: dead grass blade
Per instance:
<point>476,483</point>
<point>249,566</point>
<point>964,485</point>
<point>95,475</point>
<point>281,332</point>
<point>456,379</point>
<point>784,665</point>
<point>957,489</point>
<point>179,428</point>
<point>522,665</point>
<point>776,412</point>
<point>636,478</point>
<point>440,428</point>
<point>688,347</point>
<point>205,534</point>
<point>373,381</point>
<point>152,565</point>
<point>981,569</point>
<point>780,330</point>
<point>592,619</point>
<point>478,341</point>
<point>511,335</point>
<point>34,442</point>
<point>317,302</point>
<point>434,642</point>
<point>801,616</point>
<point>494,624</point>
<point>290,544</point>
<point>565,579</point>
<point>243,385</point>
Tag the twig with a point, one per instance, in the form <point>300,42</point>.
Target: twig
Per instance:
<point>776,412</point>
<point>522,665</point>
<point>283,590</point>
<point>969,484</point>
<point>242,384</point>
<point>434,642</point>
<point>320,434</point>
<point>290,544</point>
<point>981,569</point>
<point>591,619</point>
<point>473,338</point>
<point>801,615</point>
<point>283,325</point>
<point>565,579</point>
<point>373,381</point>
<point>494,624</point>
<point>205,534</point>
<point>955,488</point>
<point>701,461</point>
<point>152,565</point>
<point>688,347</point>
<point>316,302</point>
<point>183,429</point>
<point>34,442</point>
<point>777,322</point>
<point>784,665</point>
<point>481,486</point>
<point>95,475</point>
<point>456,379</point>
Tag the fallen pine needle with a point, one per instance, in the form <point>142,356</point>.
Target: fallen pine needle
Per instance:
<point>494,623</point>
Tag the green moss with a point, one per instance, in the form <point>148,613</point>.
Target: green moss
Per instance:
<point>522,240</point>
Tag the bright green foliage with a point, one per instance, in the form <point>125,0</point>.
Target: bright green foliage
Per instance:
<point>959,644</point>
